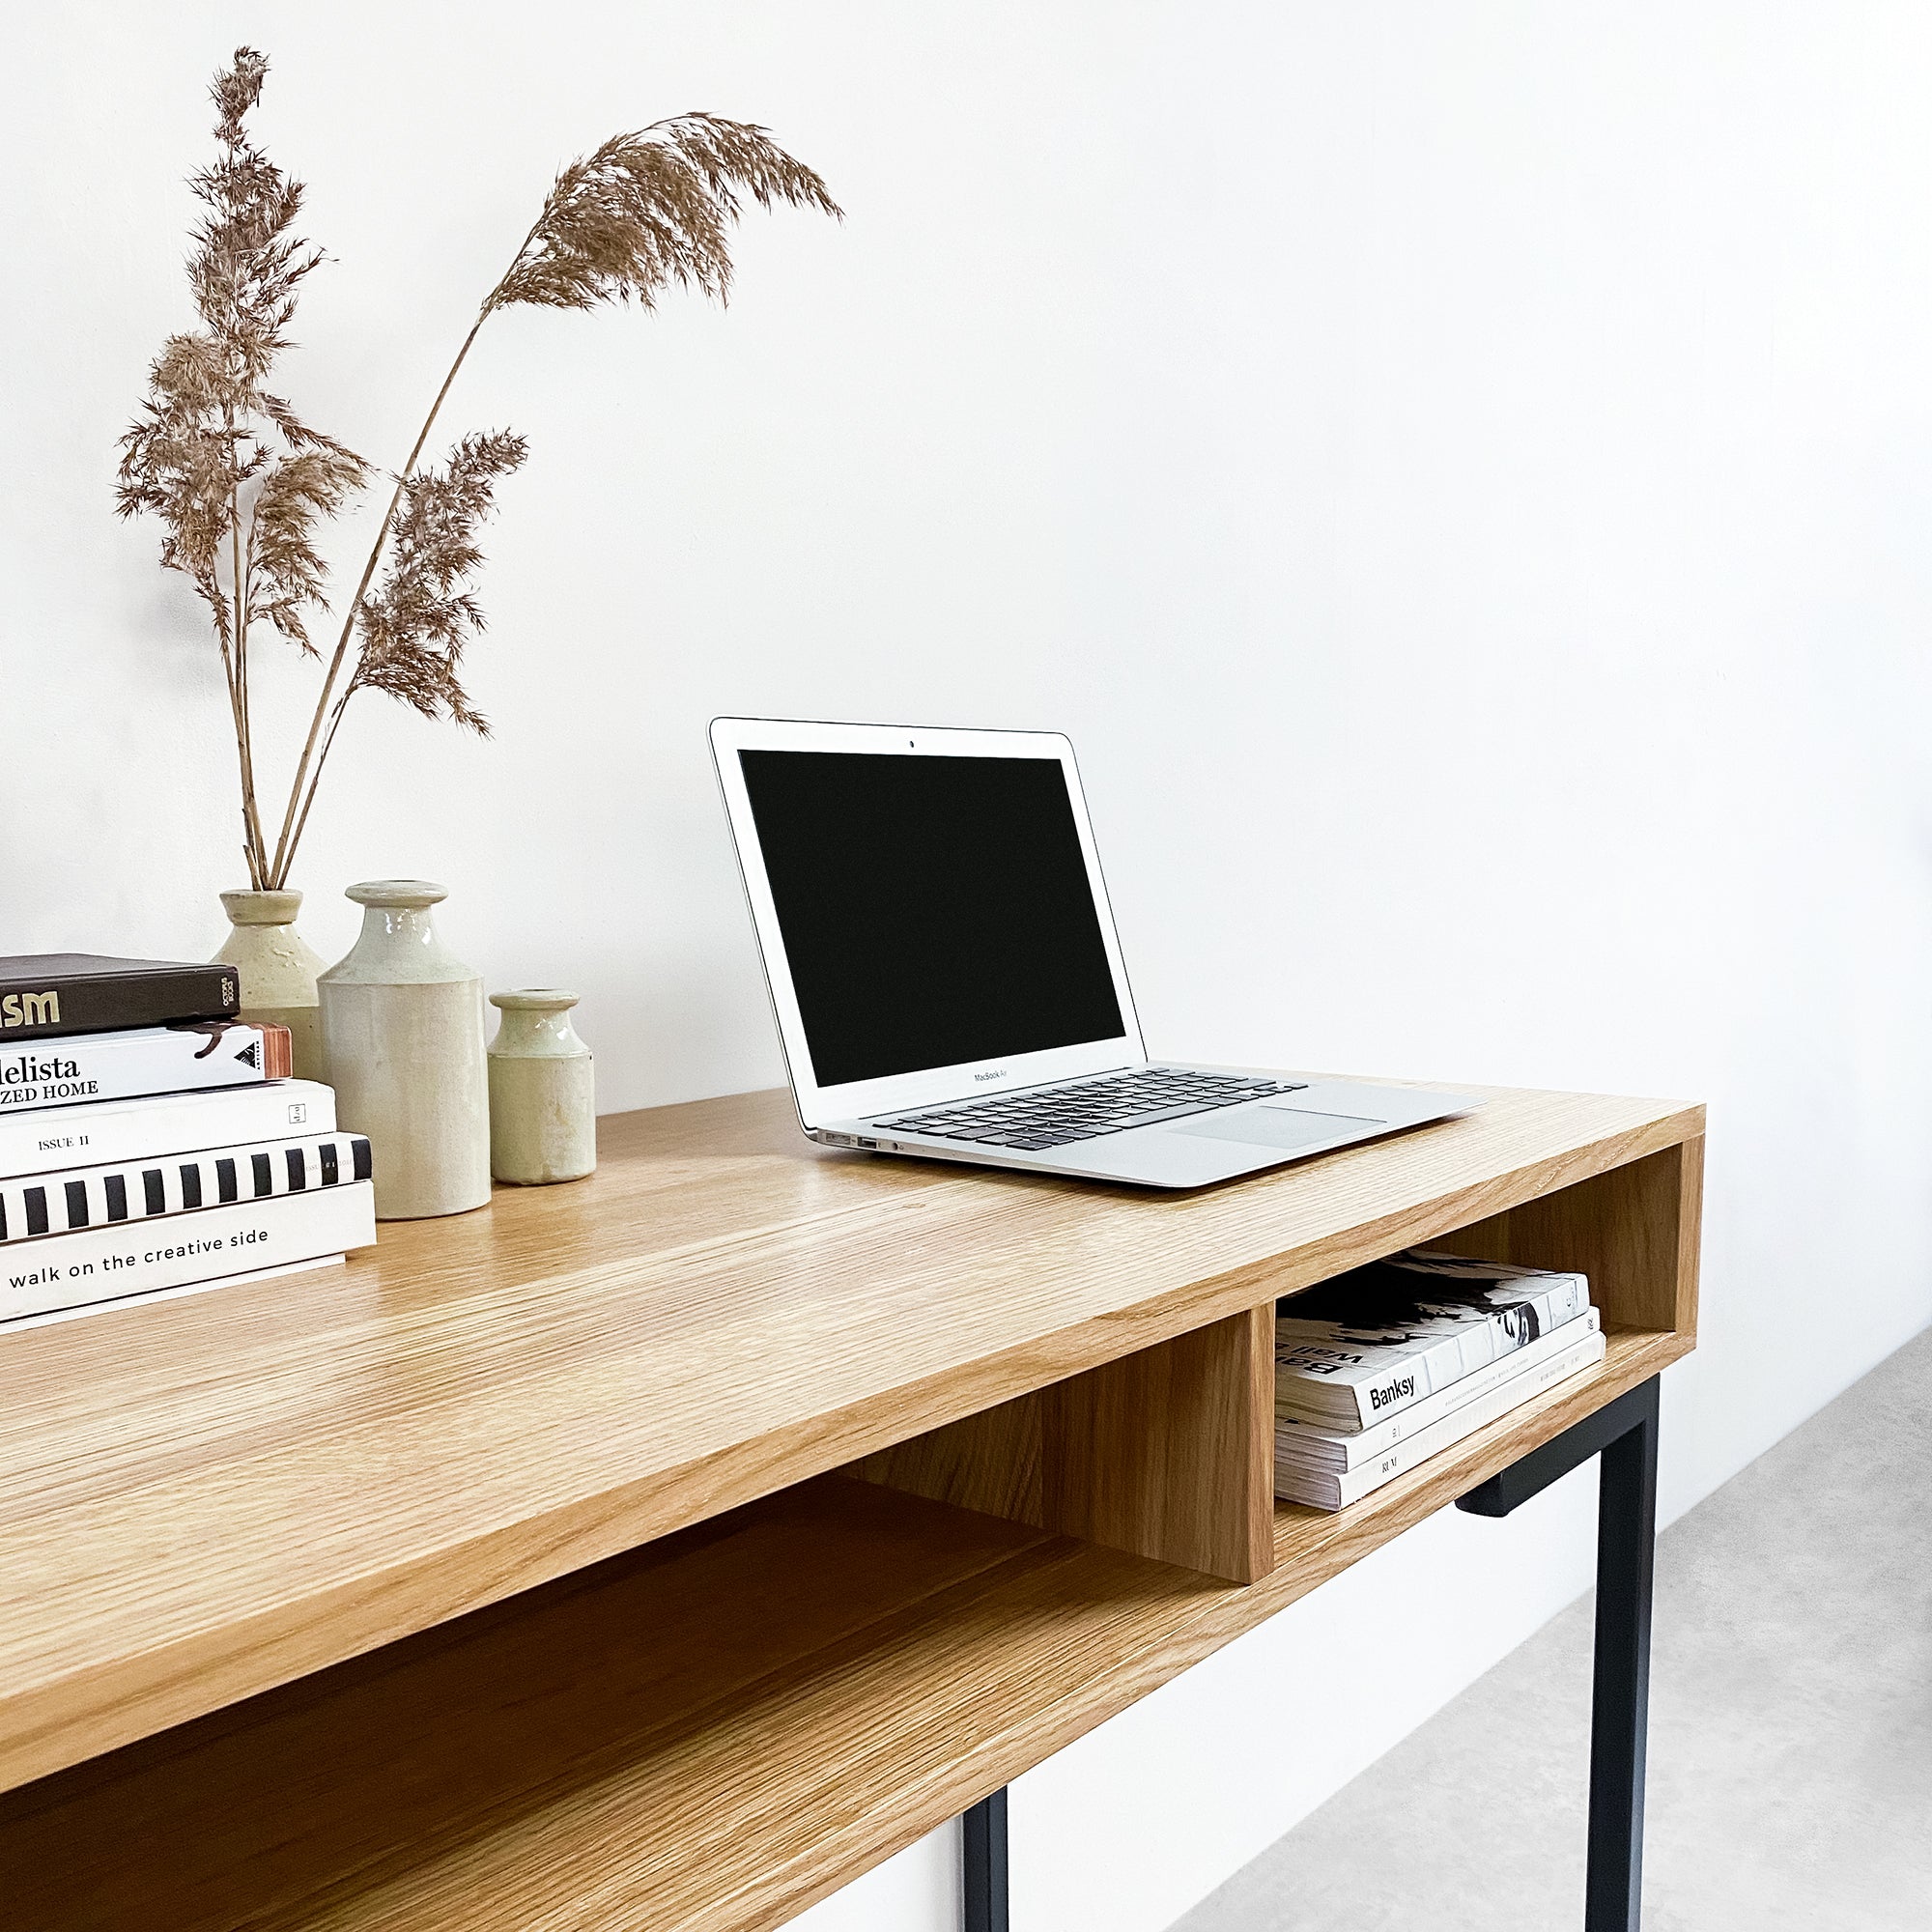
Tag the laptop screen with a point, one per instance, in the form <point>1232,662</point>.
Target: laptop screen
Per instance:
<point>935,910</point>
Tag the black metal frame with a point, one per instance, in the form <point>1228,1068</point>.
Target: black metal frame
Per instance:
<point>1623,1433</point>
<point>983,1833</point>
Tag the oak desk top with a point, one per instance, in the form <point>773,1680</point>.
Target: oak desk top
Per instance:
<point>206,1497</point>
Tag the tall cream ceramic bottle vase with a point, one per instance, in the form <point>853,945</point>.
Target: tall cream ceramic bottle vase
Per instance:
<point>277,968</point>
<point>402,1035</point>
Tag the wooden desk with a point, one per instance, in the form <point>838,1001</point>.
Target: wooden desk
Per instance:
<point>665,1549</point>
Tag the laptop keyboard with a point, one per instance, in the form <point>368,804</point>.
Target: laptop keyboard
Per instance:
<point>1052,1117</point>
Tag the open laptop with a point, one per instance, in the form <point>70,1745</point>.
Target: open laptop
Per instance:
<point>946,974</point>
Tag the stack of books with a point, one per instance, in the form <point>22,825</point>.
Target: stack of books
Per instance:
<point>150,1143</point>
<point>1378,1369</point>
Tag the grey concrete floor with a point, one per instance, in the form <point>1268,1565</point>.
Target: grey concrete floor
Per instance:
<point>1791,1726</point>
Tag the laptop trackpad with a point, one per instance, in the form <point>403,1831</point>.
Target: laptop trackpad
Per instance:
<point>1285,1128</point>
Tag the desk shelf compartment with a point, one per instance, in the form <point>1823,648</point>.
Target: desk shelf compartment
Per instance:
<point>1168,1452</point>
<point>705,1736</point>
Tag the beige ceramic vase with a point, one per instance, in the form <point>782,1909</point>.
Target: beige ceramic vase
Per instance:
<point>402,1037</point>
<point>543,1100</point>
<point>277,970</point>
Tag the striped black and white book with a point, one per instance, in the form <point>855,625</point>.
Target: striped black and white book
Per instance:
<point>100,1132</point>
<point>1378,1340</point>
<point>1298,1481</point>
<point>97,1197</point>
<point>1340,1449</point>
<point>97,1268</point>
<point>182,1059</point>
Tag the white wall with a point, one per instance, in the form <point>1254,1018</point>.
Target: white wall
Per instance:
<point>1458,473</point>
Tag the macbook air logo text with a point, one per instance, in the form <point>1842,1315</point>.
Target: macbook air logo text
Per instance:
<point>998,1073</point>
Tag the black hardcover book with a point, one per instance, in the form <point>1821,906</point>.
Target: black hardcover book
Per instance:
<point>43,994</point>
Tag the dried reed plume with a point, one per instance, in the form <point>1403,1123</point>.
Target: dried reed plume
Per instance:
<point>241,486</point>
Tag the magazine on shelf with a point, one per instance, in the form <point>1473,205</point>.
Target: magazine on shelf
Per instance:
<point>1378,1340</point>
<point>1298,1481</point>
<point>1325,1446</point>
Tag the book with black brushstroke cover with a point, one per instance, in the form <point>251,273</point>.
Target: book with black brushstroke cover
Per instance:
<point>44,995</point>
<point>1333,1447</point>
<point>1370,1342</point>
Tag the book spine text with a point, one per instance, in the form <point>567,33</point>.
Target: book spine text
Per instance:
<point>149,1059</point>
<point>1298,1431</point>
<point>1297,1482</point>
<point>102,1134</point>
<point>75,1003</point>
<point>104,1264</point>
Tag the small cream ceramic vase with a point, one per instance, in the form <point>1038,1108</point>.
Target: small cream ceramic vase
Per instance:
<point>402,1038</point>
<point>277,969</point>
<point>543,1102</point>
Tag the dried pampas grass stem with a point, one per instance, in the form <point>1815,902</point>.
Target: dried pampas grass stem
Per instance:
<point>242,487</point>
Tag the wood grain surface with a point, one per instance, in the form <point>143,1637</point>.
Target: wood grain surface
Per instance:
<point>1167,1452</point>
<point>1633,1231</point>
<point>704,1735</point>
<point>211,1496</point>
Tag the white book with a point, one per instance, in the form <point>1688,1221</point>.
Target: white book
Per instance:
<point>1380,1339</point>
<point>54,1316</point>
<point>186,1058</point>
<point>1323,1446</point>
<point>100,1133</point>
<point>62,1202</point>
<point>99,1264</point>
<point>1297,1482</point>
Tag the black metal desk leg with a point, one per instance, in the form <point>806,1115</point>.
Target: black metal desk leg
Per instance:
<point>1623,1435</point>
<point>984,1829</point>
<point>1619,1711</point>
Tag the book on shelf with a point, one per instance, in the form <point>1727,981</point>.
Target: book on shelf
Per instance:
<point>141,1190</point>
<point>1300,1480</point>
<point>99,1265</point>
<point>1368,1343</point>
<point>156,1125</point>
<point>46,994</point>
<point>90,1067</point>
<point>1326,1447</point>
